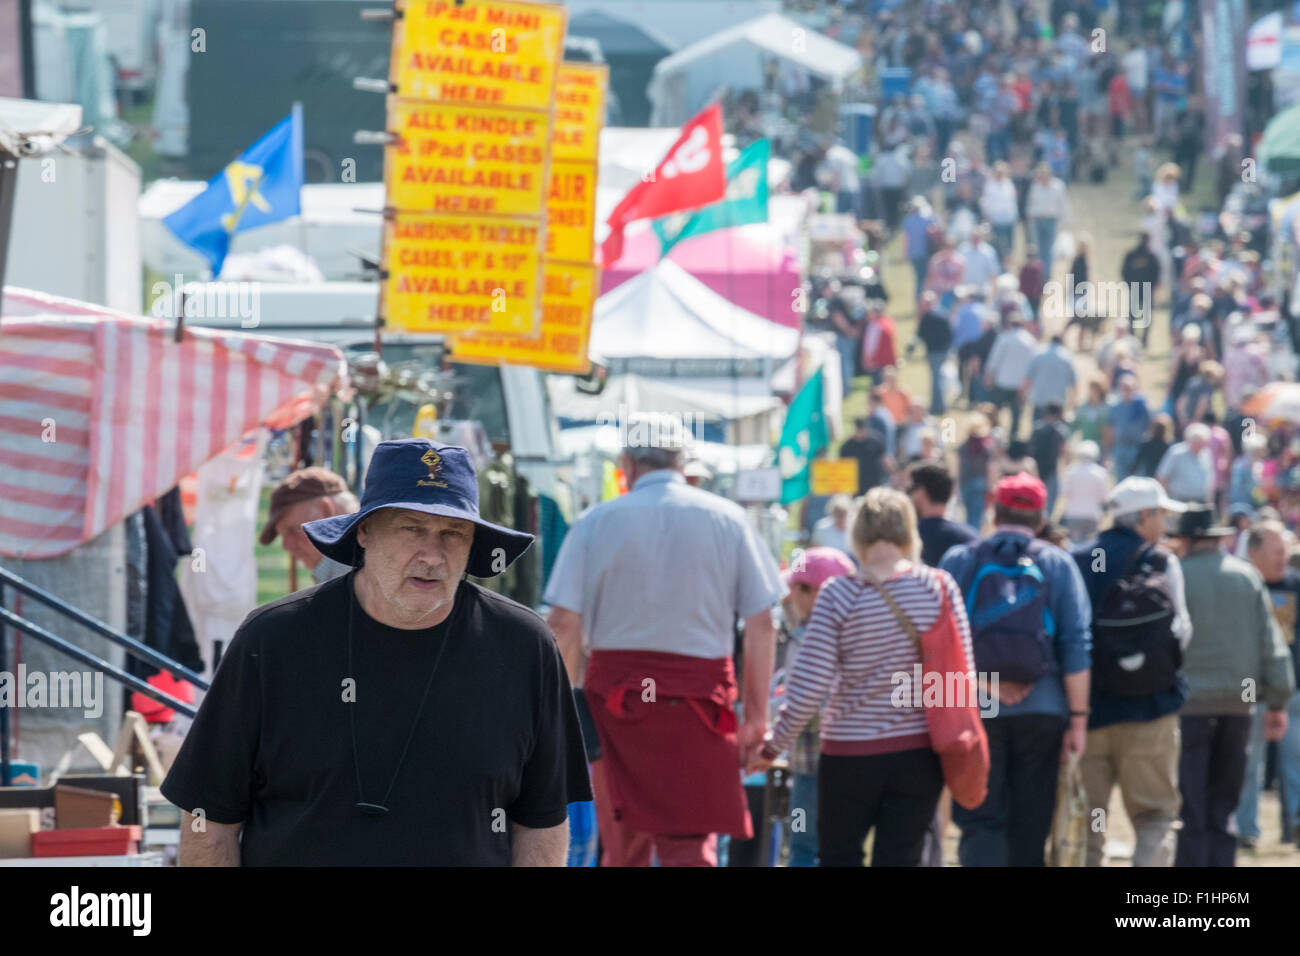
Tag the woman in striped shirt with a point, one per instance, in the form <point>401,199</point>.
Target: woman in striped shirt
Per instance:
<point>877,770</point>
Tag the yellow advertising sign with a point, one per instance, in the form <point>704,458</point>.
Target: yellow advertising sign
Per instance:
<point>499,53</point>
<point>572,281</point>
<point>571,212</point>
<point>575,146</point>
<point>570,292</point>
<point>835,477</point>
<point>458,159</point>
<point>463,274</point>
<point>579,110</point>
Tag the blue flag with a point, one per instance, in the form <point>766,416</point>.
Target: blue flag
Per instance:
<point>260,186</point>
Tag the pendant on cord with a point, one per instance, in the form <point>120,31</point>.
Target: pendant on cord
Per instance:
<point>372,809</point>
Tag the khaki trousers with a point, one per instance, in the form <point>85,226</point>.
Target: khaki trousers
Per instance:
<point>1142,757</point>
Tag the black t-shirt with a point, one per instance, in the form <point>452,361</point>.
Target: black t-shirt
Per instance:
<point>1045,444</point>
<point>498,739</point>
<point>1140,265</point>
<point>935,332</point>
<point>940,534</point>
<point>869,452</point>
<point>1150,453</point>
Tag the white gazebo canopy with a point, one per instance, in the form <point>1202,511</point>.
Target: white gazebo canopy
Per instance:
<point>735,58</point>
<point>665,321</point>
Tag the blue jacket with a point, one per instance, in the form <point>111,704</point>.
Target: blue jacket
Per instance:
<point>1068,602</point>
<point>1120,544</point>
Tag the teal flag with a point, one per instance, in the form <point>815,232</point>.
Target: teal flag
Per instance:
<point>746,201</point>
<point>803,436</point>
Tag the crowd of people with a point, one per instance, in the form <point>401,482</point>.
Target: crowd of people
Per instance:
<point>1054,427</point>
<point>1129,653</point>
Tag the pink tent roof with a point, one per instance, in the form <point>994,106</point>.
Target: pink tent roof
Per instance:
<point>746,264</point>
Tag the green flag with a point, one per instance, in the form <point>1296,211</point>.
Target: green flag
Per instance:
<point>746,201</point>
<point>803,436</point>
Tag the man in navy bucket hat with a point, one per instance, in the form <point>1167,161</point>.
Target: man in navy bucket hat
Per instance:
<point>397,715</point>
<point>422,475</point>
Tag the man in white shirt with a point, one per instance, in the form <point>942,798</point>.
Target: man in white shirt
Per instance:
<point>832,531</point>
<point>1047,206</point>
<point>1187,469</point>
<point>1137,73</point>
<point>999,206</point>
<point>982,264</point>
<point>1007,367</point>
<point>1084,489</point>
<point>648,586</point>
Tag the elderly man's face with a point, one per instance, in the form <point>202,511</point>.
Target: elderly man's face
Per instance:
<point>415,560</point>
<point>289,528</point>
<point>1270,557</point>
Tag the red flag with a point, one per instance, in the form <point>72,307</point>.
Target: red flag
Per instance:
<point>689,176</point>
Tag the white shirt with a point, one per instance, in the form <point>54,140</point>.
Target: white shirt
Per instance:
<point>826,535</point>
<point>1084,489</point>
<point>1010,357</point>
<point>1048,201</point>
<point>981,262</point>
<point>1182,626</point>
<point>1135,70</point>
<point>1165,194</point>
<point>998,201</point>
<point>666,567</point>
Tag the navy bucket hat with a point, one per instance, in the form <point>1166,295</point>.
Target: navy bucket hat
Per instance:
<point>426,476</point>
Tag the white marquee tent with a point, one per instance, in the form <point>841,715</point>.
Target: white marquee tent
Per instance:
<point>665,315</point>
<point>735,58</point>
<point>674,345</point>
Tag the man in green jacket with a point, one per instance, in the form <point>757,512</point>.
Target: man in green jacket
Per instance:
<point>1239,657</point>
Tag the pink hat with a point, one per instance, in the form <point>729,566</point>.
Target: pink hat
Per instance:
<point>816,566</point>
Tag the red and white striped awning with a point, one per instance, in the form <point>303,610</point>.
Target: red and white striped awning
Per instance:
<point>101,412</point>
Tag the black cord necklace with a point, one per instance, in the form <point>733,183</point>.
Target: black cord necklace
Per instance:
<point>381,808</point>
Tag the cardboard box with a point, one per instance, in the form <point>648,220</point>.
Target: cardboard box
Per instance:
<point>77,808</point>
<point>16,829</point>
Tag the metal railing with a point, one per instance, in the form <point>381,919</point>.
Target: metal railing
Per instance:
<point>133,647</point>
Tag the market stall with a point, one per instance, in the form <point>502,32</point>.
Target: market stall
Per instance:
<point>671,344</point>
<point>101,415</point>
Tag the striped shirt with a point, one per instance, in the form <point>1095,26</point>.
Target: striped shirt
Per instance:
<point>854,651</point>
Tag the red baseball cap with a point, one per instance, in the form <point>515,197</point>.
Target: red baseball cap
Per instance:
<point>1022,491</point>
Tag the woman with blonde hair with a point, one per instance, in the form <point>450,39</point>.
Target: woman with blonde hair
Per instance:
<point>877,771</point>
<point>1164,190</point>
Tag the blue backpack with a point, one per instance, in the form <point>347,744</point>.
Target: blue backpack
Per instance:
<point>1011,624</point>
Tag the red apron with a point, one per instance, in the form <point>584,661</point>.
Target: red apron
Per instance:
<point>672,762</point>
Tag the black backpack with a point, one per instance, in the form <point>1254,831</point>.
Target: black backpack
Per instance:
<point>1134,650</point>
